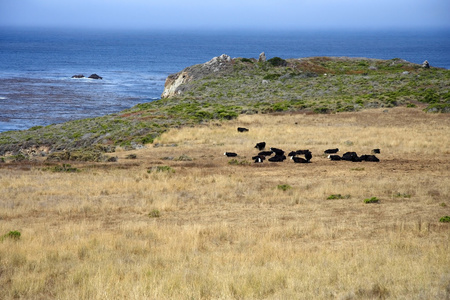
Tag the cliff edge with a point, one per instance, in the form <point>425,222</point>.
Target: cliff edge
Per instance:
<point>174,82</point>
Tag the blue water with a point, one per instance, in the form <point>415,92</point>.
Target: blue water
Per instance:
<point>36,66</point>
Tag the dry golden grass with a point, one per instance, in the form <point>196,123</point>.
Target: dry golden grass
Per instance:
<point>226,231</point>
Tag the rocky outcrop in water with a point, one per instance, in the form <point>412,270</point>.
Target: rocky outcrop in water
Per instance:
<point>95,76</point>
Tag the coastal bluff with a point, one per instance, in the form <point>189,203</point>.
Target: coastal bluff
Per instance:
<point>174,82</point>
<point>224,88</point>
<point>256,75</point>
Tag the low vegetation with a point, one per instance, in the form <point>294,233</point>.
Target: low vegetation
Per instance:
<point>371,200</point>
<point>312,85</point>
<point>214,230</point>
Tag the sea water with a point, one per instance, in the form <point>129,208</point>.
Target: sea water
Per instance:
<point>36,65</point>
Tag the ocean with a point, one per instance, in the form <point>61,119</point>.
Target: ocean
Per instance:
<point>36,65</point>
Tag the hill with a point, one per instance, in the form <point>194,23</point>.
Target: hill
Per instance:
<point>225,88</point>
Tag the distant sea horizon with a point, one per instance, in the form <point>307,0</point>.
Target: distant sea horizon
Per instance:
<point>36,65</point>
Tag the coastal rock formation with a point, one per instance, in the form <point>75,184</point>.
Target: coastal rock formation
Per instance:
<point>78,76</point>
<point>174,82</point>
<point>95,76</point>
<point>262,57</point>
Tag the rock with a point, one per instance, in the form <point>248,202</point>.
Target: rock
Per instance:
<point>426,64</point>
<point>262,57</point>
<point>176,83</point>
<point>173,82</point>
<point>78,76</point>
<point>95,76</point>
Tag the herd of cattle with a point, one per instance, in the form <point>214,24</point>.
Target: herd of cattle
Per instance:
<point>278,155</point>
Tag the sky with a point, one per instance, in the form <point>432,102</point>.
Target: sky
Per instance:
<point>231,14</point>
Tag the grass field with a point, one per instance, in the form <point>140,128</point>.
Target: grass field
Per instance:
<point>182,221</point>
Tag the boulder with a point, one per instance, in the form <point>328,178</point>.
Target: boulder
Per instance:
<point>78,76</point>
<point>262,57</point>
<point>95,76</point>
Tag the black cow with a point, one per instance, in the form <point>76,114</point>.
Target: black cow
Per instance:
<point>308,156</point>
<point>277,158</point>
<point>258,158</point>
<point>331,151</point>
<point>260,146</point>
<point>302,152</point>
<point>277,151</point>
<point>350,156</point>
<point>265,153</point>
<point>299,160</point>
<point>334,157</point>
<point>230,154</point>
<point>376,151</point>
<point>292,153</point>
<point>372,158</point>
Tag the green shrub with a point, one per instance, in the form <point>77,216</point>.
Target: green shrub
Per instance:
<point>321,110</point>
<point>272,76</point>
<point>154,214</point>
<point>247,60</point>
<point>445,219</point>
<point>438,108</point>
<point>430,96</point>
<point>280,106</point>
<point>284,187</point>
<point>14,235</point>
<point>63,168</point>
<point>277,62</point>
<point>338,196</point>
<point>371,200</point>
<point>148,139</point>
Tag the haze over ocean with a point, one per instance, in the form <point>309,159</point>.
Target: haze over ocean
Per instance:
<point>36,87</point>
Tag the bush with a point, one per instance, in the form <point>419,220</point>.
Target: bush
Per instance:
<point>14,235</point>
<point>338,196</point>
<point>445,219</point>
<point>154,214</point>
<point>284,187</point>
<point>371,200</point>
<point>277,62</point>
<point>271,76</point>
<point>247,60</point>
<point>64,168</point>
<point>280,106</point>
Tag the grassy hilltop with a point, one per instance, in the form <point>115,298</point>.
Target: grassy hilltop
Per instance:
<point>246,86</point>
